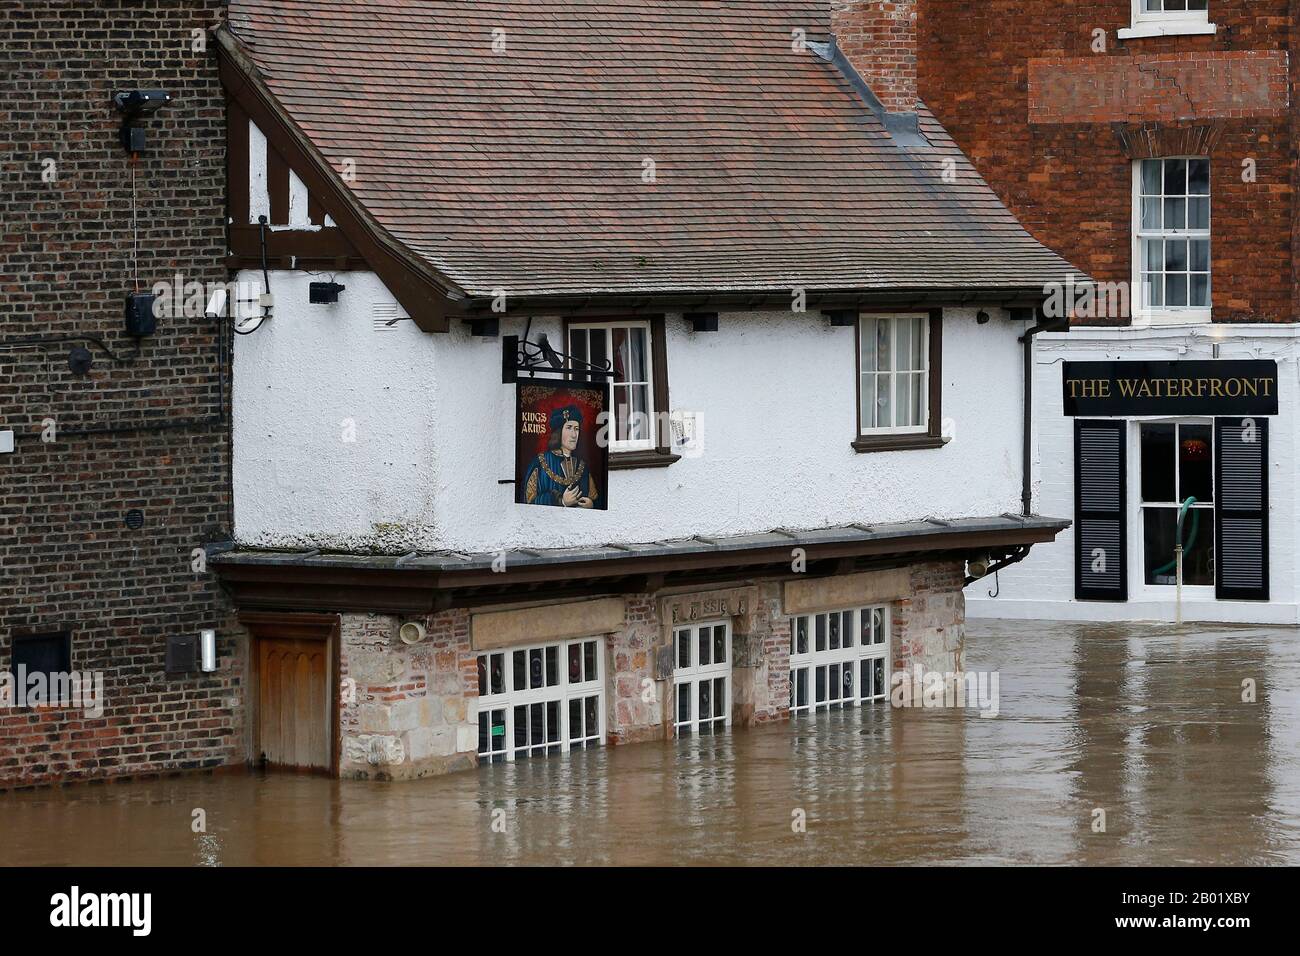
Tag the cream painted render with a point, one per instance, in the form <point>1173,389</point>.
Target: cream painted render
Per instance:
<point>1042,587</point>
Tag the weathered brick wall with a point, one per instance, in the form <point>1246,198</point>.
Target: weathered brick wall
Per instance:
<point>67,560</point>
<point>929,628</point>
<point>404,709</point>
<point>632,714</point>
<point>879,39</point>
<point>1067,177</point>
<point>408,711</point>
<point>763,661</point>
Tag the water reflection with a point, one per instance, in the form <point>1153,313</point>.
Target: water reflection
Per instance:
<point>1142,721</point>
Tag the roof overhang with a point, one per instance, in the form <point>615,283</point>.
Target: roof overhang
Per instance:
<point>761,300</point>
<point>422,584</point>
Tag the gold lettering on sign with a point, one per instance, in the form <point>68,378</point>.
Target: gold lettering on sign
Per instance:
<point>533,423</point>
<point>1178,388</point>
<point>1089,388</point>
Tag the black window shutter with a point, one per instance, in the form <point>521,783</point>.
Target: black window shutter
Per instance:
<point>1241,509</point>
<point>1100,516</point>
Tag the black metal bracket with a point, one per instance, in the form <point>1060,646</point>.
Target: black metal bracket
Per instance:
<point>522,356</point>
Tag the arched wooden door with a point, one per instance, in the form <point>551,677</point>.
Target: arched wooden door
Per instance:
<point>295,724</point>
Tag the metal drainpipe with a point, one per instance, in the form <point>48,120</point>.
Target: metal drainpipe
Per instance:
<point>1027,464</point>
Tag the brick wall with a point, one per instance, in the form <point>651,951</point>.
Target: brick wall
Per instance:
<point>1065,172</point>
<point>403,709</point>
<point>634,715</point>
<point>879,39</point>
<point>929,626</point>
<point>67,559</point>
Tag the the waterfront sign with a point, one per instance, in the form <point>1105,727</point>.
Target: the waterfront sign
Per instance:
<point>1170,388</point>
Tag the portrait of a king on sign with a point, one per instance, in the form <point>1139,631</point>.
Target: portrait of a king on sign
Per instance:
<point>561,459</point>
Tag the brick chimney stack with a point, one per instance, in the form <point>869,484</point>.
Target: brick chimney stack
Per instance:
<point>879,38</point>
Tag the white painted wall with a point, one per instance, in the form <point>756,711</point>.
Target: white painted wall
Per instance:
<point>775,396</point>
<point>1043,585</point>
<point>300,380</point>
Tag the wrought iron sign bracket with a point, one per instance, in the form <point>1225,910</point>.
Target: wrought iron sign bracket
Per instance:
<point>524,357</point>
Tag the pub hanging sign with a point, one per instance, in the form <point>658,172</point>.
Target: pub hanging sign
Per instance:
<point>561,459</point>
<point>1210,388</point>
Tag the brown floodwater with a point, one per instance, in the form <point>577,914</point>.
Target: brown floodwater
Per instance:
<point>1145,722</point>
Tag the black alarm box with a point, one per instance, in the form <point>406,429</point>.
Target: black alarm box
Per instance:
<point>140,318</point>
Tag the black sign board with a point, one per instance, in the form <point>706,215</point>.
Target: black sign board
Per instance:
<point>1210,388</point>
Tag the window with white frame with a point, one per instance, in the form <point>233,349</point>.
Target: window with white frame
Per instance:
<point>702,679</point>
<point>1172,236</point>
<point>1169,17</point>
<point>536,701</point>
<point>839,659</point>
<point>627,347</point>
<point>894,374</point>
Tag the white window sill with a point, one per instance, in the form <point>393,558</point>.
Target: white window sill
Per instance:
<point>1150,319</point>
<point>1167,28</point>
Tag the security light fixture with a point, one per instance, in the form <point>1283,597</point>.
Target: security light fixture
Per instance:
<point>134,104</point>
<point>324,293</point>
<point>216,305</point>
<point>982,317</point>
<point>484,328</point>
<point>841,318</point>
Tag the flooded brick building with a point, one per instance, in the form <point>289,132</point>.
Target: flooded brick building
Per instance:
<point>766,274</point>
<point>534,396</point>
<point>1154,146</point>
<point>114,465</point>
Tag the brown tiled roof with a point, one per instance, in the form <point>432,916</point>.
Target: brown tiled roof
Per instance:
<point>523,170</point>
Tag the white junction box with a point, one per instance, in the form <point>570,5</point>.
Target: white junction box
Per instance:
<point>6,441</point>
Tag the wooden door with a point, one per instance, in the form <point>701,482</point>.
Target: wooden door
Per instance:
<point>294,716</point>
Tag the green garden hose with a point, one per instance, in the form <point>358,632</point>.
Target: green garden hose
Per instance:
<point>1196,527</point>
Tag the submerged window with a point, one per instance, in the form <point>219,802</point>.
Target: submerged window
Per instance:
<point>535,701</point>
<point>702,679</point>
<point>1178,476</point>
<point>839,659</point>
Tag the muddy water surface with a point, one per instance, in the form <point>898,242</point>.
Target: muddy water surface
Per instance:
<point>1145,722</point>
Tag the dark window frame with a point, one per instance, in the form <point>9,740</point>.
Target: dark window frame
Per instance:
<point>661,456</point>
<point>933,436</point>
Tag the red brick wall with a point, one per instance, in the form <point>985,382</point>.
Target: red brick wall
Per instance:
<point>879,38</point>
<point>67,560</point>
<point>1068,180</point>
